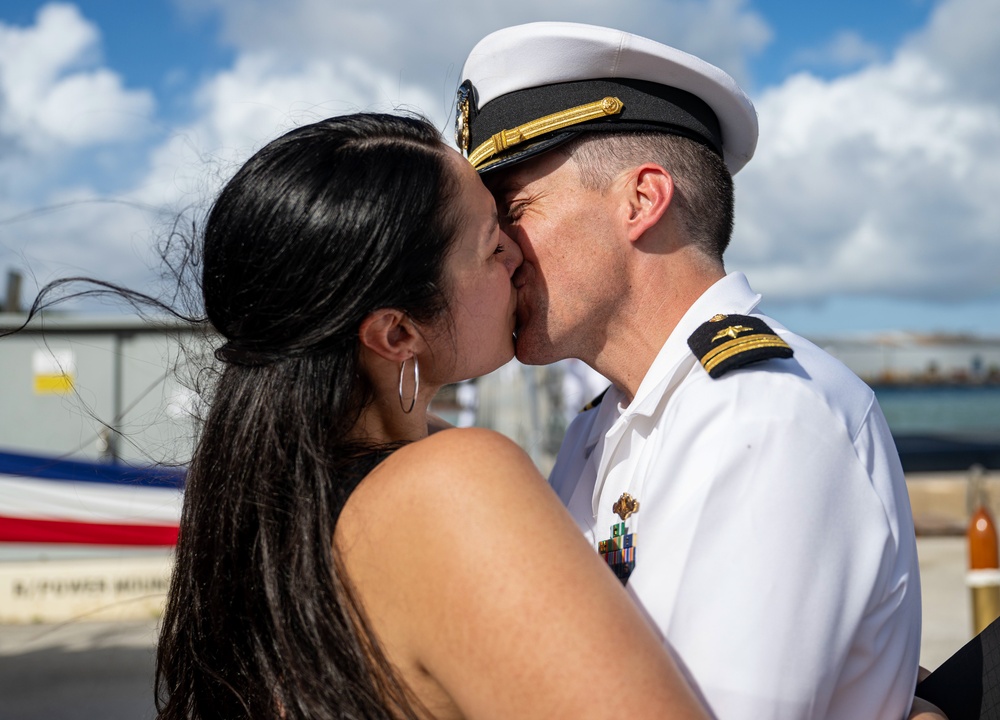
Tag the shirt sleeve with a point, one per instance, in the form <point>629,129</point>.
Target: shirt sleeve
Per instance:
<point>791,602</point>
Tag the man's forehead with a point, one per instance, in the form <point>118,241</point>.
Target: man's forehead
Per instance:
<point>503,183</point>
<point>507,181</point>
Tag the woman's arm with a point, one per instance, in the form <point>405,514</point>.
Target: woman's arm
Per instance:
<point>472,573</point>
<point>922,709</point>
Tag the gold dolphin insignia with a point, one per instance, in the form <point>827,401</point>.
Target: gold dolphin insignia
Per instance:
<point>731,332</point>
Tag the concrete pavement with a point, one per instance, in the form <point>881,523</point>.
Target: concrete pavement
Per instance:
<point>947,611</point>
<point>77,670</point>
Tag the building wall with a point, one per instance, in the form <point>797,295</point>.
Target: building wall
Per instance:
<point>58,391</point>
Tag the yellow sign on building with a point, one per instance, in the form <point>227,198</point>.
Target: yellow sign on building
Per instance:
<point>54,371</point>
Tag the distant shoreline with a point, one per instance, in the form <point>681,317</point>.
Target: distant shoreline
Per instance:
<point>931,383</point>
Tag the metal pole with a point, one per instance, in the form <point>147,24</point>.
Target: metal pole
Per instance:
<point>12,304</point>
<point>116,399</point>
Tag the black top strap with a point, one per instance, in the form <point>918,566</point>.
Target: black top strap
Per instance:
<point>352,475</point>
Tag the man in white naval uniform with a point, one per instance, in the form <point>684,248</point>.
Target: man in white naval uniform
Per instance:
<point>741,482</point>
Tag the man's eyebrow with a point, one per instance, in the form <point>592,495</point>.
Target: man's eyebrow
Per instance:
<point>503,186</point>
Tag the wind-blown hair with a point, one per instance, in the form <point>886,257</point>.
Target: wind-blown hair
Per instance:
<point>318,229</point>
<point>703,184</point>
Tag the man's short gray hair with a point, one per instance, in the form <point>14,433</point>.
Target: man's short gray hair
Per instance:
<point>703,185</point>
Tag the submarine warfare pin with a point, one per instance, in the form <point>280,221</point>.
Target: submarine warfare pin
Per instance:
<point>618,550</point>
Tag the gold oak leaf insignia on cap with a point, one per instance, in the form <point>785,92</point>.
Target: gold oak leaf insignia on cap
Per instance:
<point>727,342</point>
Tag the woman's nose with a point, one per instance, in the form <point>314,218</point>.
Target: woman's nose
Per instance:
<point>513,257</point>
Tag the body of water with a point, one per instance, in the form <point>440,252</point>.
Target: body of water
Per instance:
<point>945,428</point>
<point>967,410</point>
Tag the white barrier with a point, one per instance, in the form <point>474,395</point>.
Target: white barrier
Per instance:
<point>123,588</point>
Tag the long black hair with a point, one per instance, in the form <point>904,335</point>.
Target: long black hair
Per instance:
<point>319,228</point>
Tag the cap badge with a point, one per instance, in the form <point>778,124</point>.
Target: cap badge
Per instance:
<point>462,117</point>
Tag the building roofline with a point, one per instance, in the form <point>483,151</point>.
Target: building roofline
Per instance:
<point>97,324</point>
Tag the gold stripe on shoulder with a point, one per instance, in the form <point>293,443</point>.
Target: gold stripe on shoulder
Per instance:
<point>734,347</point>
<point>596,401</point>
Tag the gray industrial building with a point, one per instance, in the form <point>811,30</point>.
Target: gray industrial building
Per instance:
<point>127,389</point>
<point>114,389</point>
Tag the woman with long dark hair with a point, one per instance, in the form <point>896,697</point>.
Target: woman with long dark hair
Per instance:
<point>334,560</point>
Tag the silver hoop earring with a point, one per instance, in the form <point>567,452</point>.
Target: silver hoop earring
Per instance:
<point>416,385</point>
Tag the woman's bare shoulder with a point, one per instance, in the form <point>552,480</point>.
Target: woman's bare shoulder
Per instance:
<point>456,442</point>
<point>432,516</point>
<point>462,455</point>
<point>452,471</point>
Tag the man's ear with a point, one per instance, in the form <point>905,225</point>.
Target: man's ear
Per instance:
<point>650,190</point>
<point>390,334</point>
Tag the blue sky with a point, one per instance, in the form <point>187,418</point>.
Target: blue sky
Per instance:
<point>870,205</point>
<point>801,30</point>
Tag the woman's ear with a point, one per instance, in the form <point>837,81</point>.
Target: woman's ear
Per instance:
<point>650,192</point>
<point>390,334</point>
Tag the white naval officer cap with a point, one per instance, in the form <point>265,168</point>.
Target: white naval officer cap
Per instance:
<point>531,87</point>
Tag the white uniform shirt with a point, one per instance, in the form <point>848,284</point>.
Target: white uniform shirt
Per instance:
<point>774,541</point>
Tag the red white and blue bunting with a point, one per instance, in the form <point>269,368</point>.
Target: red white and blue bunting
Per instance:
<point>47,500</point>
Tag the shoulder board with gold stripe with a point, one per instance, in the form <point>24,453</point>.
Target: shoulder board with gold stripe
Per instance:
<point>727,342</point>
<point>596,401</point>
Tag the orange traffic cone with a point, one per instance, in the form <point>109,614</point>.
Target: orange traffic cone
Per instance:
<point>984,564</point>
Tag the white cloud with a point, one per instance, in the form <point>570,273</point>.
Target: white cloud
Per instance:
<point>846,49</point>
<point>962,40</point>
<point>263,95</point>
<point>882,182</point>
<point>426,43</point>
<point>238,110</point>
<point>78,233</point>
<point>59,105</point>
<point>52,94</point>
<point>297,62</point>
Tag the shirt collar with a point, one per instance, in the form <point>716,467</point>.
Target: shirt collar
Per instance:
<point>729,295</point>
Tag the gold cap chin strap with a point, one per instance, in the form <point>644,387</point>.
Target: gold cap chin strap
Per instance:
<point>556,121</point>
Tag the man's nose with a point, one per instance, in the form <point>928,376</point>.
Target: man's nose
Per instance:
<point>520,277</point>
